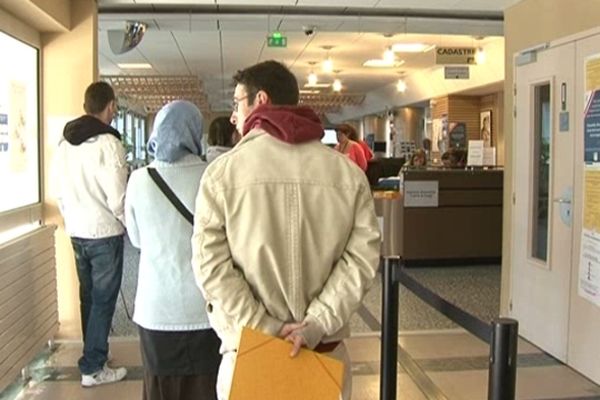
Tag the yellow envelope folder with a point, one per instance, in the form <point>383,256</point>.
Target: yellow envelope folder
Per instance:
<point>264,370</point>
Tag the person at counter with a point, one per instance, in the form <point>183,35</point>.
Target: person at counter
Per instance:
<point>454,158</point>
<point>349,147</point>
<point>353,135</point>
<point>418,159</point>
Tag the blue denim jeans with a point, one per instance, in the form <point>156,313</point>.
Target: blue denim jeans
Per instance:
<point>100,270</point>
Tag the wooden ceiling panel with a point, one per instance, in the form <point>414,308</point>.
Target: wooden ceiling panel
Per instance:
<point>156,91</point>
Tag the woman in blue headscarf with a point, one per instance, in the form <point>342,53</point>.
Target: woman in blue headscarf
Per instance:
<point>180,352</point>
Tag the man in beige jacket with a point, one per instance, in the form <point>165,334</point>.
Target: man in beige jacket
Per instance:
<point>285,236</point>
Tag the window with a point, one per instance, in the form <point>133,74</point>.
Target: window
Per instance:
<point>541,171</point>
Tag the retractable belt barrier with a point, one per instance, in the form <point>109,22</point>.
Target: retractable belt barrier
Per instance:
<point>501,334</point>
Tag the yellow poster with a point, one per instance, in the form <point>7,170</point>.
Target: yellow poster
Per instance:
<point>589,262</point>
<point>591,200</point>
<point>592,74</point>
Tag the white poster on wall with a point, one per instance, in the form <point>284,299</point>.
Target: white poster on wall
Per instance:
<point>421,193</point>
<point>589,267</point>
<point>588,285</point>
<point>589,261</point>
<point>19,147</point>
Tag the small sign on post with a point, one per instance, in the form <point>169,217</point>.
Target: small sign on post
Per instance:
<point>456,72</point>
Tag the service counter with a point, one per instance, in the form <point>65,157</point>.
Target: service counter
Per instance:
<point>443,216</point>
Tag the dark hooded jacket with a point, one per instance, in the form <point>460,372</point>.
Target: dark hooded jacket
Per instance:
<point>85,127</point>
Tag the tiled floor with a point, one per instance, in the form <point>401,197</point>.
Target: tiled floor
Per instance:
<point>475,289</point>
<point>436,359</point>
<point>454,361</point>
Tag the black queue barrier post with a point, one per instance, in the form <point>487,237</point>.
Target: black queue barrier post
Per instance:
<point>503,359</point>
<point>389,330</point>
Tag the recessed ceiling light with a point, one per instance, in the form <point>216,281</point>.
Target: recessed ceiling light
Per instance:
<point>389,56</point>
<point>135,66</point>
<point>409,47</point>
<point>317,85</point>
<point>377,63</point>
<point>480,56</point>
<point>401,85</point>
<point>337,85</point>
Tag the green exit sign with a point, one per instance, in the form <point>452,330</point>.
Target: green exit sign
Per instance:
<point>276,40</point>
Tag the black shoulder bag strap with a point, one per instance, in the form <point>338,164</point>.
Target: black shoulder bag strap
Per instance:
<point>162,185</point>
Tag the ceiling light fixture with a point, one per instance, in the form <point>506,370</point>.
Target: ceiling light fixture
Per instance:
<point>327,64</point>
<point>337,85</point>
<point>309,91</point>
<point>388,55</point>
<point>401,85</point>
<point>377,63</point>
<point>480,56</point>
<point>134,66</point>
<point>317,85</point>
<point>479,53</point>
<point>409,47</point>
<point>312,77</point>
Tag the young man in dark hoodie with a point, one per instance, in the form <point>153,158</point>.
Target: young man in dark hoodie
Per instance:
<point>285,236</point>
<point>92,174</point>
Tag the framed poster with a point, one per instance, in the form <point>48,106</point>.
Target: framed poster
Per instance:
<point>458,135</point>
<point>485,123</point>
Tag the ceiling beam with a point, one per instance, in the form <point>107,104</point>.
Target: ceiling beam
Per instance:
<point>464,15</point>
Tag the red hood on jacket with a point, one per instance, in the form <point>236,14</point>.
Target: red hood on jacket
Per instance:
<point>291,124</point>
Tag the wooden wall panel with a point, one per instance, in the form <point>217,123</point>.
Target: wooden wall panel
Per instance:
<point>439,107</point>
<point>465,109</point>
<point>28,300</point>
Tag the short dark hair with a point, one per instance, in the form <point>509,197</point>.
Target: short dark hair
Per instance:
<point>348,130</point>
<point>220,132</point>
<point>273,78</point>
<point>97,97</point>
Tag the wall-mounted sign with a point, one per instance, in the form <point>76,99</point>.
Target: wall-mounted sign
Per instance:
<point>421,193</point>
<point>455,55</point>
<point>276,40</point>
<point>456,72</point>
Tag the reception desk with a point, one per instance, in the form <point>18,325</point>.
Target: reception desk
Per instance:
<point>444,216</point>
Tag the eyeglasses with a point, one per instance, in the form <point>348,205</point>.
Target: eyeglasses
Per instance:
<point>236,102</point>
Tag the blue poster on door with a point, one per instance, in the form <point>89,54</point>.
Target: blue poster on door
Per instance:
<point>4,133</point>
<point>591,128</point>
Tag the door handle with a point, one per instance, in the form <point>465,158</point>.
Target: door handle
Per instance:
<point>562,200</point>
